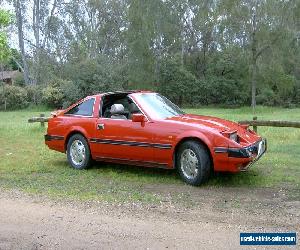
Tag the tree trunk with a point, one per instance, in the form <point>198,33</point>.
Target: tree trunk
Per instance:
<point>182,35</point>
<point>254,57</point>
<point>204,59</point>
<point>48,24</point>
<point>253,83</point>
<point>19,19</point>
<point>36,29</point>
<point>182,48</point>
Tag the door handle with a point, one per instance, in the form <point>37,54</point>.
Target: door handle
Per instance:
<point>100,126</point>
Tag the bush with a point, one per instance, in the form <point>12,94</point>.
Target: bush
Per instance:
<point>61,93</point>
<point>267,97</point>
<point>176,82</point>
<point>19,80</point>
<point>94,76</point>
<point>182,86</point>
<point>14,96</point>
<point>34,94</point>
<point>227,92</point>
<point>52,96</point>
<point>71,93</point>
<point>296,93</point>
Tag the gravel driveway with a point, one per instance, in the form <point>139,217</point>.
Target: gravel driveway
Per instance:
<point>213,222</point>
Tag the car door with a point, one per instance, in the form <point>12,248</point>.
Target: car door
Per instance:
<point>123,139</point>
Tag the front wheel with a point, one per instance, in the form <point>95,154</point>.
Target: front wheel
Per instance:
<point>193,162</point>
<point>78,152</point>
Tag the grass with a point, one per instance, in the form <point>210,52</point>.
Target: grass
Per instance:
<point>28,165</point>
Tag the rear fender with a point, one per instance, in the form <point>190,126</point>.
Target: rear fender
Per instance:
<point>75,130</point>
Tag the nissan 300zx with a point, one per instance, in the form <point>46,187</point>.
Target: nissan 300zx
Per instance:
<point>144,128</point>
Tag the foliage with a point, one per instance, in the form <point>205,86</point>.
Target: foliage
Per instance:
<point>52,96</point>
<point>71,93</point>
<point>13,96</point>
<point>89,77</point>
<point>5,19</point>
<point>225,52</point>
<point>19,80</point>
<point>15,57</point>
<point>267,97</point>
<point>176,82</point>
<point>220,90</point>
<point>34,94</point>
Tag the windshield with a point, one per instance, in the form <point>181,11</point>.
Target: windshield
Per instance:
<point>157,106</point>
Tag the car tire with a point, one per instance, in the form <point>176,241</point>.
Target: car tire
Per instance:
<point>193,163</point>
<point>78,152</point>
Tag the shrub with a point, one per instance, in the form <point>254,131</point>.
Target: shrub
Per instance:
<point>296,93</point>
<point>71,93</point>
<point>14,96</point>
<point>217,90</point>
<point>267,97</point>
<point>52,96</point>
<point>176,82</point>
<point>19,80</point>
<point>61,93</point>
<point>94,76</point>
<point>34,94</point>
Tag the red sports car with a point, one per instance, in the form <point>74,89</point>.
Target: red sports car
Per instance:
<point>145,128</point>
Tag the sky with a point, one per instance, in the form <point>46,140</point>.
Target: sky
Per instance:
<point>12,30</point>
<point>12,34</point>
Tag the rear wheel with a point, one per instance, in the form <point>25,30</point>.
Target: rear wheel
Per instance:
<point>193,162</point>
<point>78,152</point>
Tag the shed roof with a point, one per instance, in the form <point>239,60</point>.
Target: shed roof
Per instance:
<point>9,74</point>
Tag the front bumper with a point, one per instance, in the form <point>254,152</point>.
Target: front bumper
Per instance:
<point>255,150</point>
<point>239,159</point>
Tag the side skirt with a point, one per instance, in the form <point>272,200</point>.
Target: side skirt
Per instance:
<point>134,162</point>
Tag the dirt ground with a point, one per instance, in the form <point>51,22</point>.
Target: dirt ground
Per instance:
<point>213,221</point>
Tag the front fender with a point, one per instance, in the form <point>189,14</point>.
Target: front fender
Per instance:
<point>195,134</point>
<point>198,135</point>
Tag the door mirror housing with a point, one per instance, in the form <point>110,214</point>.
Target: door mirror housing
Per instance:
<point>138,118</point>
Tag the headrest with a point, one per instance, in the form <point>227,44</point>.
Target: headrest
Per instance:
<point>117,109</point>
<point>133,108</point>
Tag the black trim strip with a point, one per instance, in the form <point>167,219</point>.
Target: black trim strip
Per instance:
<point>54,138</point>
<point>131,143</point>
<point>133,162</point>
<point>238,153</point>
<point>221,150</point>
<point>233,152</point>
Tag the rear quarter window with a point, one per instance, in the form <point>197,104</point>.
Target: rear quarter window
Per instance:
<point>83,109</point>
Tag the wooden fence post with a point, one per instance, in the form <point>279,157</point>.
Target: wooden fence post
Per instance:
<point>254,126</point>
<point>42,123</point>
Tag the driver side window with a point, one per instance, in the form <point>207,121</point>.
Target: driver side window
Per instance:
<point>118,107</point>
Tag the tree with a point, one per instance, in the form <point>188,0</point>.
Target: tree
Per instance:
<point>176,82</point>
<point>19,6</point>
<point>140,35</point>
<point>257,25</point>
<point>212,46</point>
<point>5,19</point>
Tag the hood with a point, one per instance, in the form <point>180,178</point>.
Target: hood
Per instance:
<point>206,121</point>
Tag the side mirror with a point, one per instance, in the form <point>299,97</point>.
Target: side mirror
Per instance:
<point>138,118</point>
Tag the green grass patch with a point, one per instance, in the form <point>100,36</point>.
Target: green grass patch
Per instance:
<point>28,165</point>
